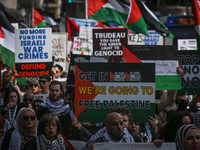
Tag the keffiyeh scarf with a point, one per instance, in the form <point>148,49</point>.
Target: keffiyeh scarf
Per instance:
<point>15,141</point>
<point>55,107</point>
<point>196,119</point>
<point>44,144</point>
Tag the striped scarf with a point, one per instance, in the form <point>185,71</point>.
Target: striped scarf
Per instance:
<point>181,135</point>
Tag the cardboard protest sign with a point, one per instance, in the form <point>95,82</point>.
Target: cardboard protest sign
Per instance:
<point>101,86</point>
<point>81,58</point>
<point>140,39</point>
<point>108,42</point>
<point>33,55</point>
<point>82,46</point>
<point>133,146</point>
<point>59,49</point>
<point>190,62</point>
<point>187,44</point>
<point>165,59</point>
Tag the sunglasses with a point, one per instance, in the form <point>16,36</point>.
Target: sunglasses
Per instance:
<point>26,100</point>
<point>31,85</point>
<point>26,118</point>
<point>43,82</point>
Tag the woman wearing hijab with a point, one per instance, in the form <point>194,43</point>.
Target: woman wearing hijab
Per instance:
<point>48,135</point>
<point>24,132</point>
<point>188,138</point>
<point>11,100</point>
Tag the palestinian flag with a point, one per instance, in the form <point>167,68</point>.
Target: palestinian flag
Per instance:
<point>153,22</point>
<point>7,41</point>
<point>165,59</point>
<point>196,15</point>
<point>127,15</point>
<point>42,19</point>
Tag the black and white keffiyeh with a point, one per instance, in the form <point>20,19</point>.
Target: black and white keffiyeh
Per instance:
<point>55,107</point>
<point>127,138</point>
<point>44,144</point>
<point>196,119</point>
<point>15,141</point>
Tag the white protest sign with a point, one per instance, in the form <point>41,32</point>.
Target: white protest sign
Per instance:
<point>82,46</point>
<point>43,97</point>
<point>59,49</point>
<point>78,145</point>
<point>133,146</point>
<point>86,32</point>
<point>33,45</point>
<point>187,44</point>
<point>15,25</point>
<point>69,46</point>
<point>139,39</point>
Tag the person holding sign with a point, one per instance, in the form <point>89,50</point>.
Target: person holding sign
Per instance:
<point>56,103</point>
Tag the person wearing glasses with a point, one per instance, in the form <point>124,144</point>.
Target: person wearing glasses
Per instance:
<point>56,72</point>
<point>33,86</point>
<point>28,97</point>
<point>48,135</point>
<point>24,131</point>
<point>44,82</point>
<point>36,104</point>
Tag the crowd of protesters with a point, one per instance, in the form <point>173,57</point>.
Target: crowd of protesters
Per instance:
<point>27,123</point>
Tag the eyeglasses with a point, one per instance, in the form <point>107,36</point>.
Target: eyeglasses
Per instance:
<point>31,85</point>
<point>26,100</point>
<point>26,118</point>
<point>50,124</point>
<point>43,82</point>
<point>34,106</point>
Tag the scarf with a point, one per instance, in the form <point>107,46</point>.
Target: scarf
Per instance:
<point>196,119</point>
<point>127,138</point>
<point>44,144</point>
<point>181,135</point>
<point>15,141</point>
<point>55,107</point>
<point>101,133</point>
<point>27,132</point>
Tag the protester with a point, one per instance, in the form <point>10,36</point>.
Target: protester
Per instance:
<point>188,138</point>
<point>36,104</point>
<point>11,100</point>
<point>44,82</point>
<point>56,72</point>
<point>28,97</point>
<point>48,135</point>
<point>25,131</point>
<point>33,86</point>
<point>56,103</point>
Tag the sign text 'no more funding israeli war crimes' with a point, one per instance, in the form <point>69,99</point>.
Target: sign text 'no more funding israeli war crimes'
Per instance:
<point>32,42</point>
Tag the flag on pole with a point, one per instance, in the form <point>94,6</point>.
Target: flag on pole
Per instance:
<point>127,15</point>
<point>7,41</point>
<point>153,22</point>
<point>196,15</point>
<point>42,19</point>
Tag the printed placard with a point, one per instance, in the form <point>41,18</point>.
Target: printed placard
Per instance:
<point>108,42</point>
<point>187,44</point>
<point>190,62</point>
<point>101,86</point>
<point>165,59</point>
<point>82,46</point>
<point>33,45</point>
<point>59,49</point>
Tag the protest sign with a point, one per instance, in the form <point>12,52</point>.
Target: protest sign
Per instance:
<point>133,146</point>
<point>187,44</point>
<point>81,58</point>
<point>33,45</point>
<point>86,32</point>
<point>190,62</point>
<point>165,59</point>
<point>78,145</point>
<point>140,39</point>
<point>33,54</point>
<point>101,86</point>
<point>59,49</point>
<point>108,42</point>
<point>82,46</point>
